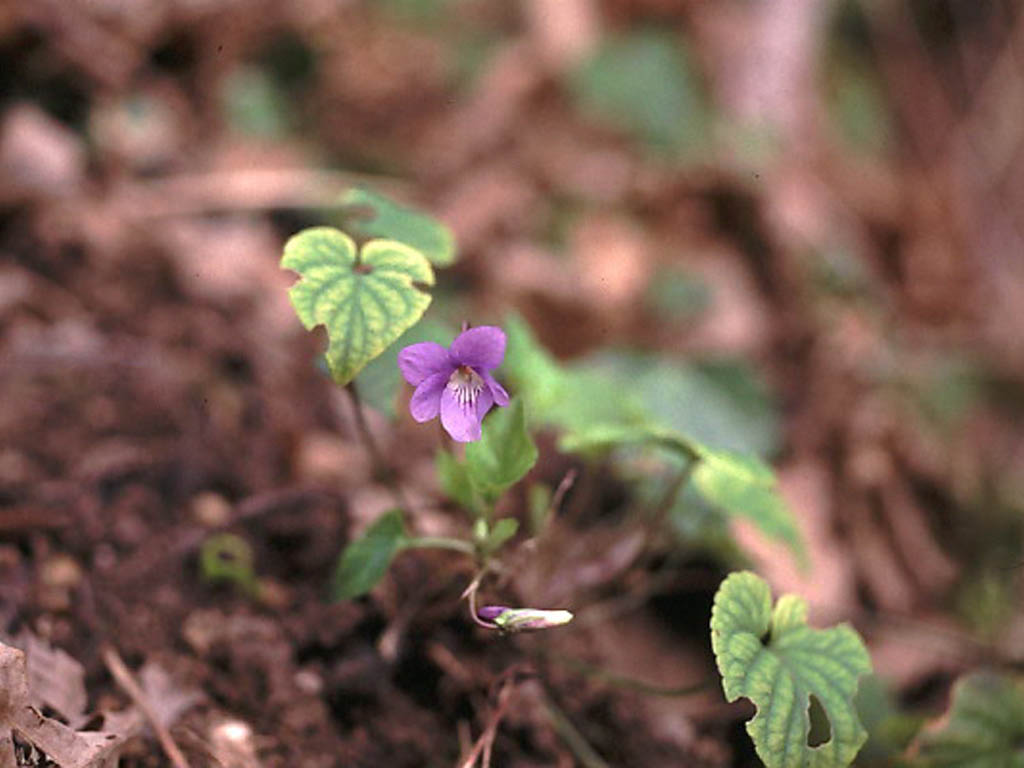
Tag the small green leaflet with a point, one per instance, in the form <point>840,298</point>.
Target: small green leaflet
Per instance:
<point>365,303</point>
<point>395,222</point>
<point>985,727</point>
<point>365,560</point>
<point>227,557</point>
<point>781,673</point>
<point>502,531</point>
<point>504,453</point>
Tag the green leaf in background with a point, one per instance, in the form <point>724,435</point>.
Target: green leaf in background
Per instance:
<point>789,671</point>
<point>742,486</point>
<point>390,220</point>
<point>739,485</point>
<point>603,436</point>
<point>557,395</point>
<point>456,483</point>
<point>365,560</point>
<point>419,12</point>
<point>531,368</point>
<point>622,398</point>
<point>856,103</point>
<point>380,381</point>
<point>721,403</point>
<point>677,294</point>
<point>504,453</point>
<point>985,727</point>
<point>642,82</point>
<point>364,304</point>
<point>254,104</point>
<point>890,729</point>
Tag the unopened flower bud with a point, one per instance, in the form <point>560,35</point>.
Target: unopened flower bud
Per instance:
<point>523,619</point>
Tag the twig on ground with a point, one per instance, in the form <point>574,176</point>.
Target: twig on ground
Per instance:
<point>123,677</point>
<point>483,746</point>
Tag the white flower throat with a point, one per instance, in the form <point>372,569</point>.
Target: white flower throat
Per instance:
<point>466,385</point>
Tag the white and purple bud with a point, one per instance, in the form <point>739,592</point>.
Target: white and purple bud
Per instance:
<point>522,619</point>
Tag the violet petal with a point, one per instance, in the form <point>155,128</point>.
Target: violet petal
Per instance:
<point>484,401</point>
<point>418,361</point>
<point>481,347</point>
<point>491,612</point>
<point>497,391</point>
<point>460,421</point>
<point>425,403</point>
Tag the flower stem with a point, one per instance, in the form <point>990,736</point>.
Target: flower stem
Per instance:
<point>381,465</point>
<point>470,594</point>
<point>569,734</point>
<point>364,430</point>
<point>668,499</point>
<point>441,542</point>
<point>597,673</point>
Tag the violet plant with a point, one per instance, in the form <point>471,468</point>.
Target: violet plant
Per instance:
<point>370,285</point>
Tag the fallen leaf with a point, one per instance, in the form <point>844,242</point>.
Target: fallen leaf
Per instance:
<point>62,745</point>
<point>55,679</point>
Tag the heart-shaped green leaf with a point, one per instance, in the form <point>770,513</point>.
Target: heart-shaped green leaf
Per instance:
<point>985,727</point>
<point>774,659</point>
<point>365,560</point>
<point>364,302</point>
<point>396,222</point>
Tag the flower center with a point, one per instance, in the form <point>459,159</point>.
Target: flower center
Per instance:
<point>466,385</point>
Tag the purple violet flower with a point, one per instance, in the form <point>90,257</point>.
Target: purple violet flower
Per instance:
<point>456,382</point>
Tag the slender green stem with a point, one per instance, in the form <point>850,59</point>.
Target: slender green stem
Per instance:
<point>364,429</point>
<point>381,465</point>
<point>668,499</point>
<point>573,739</point>
<point>470,594</point>
<point>441,542</point>
<point>597,673</point>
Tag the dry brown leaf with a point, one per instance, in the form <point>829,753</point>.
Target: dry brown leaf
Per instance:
<point>64,746</point>
<point>55,679</point>
<point>168,699</point>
